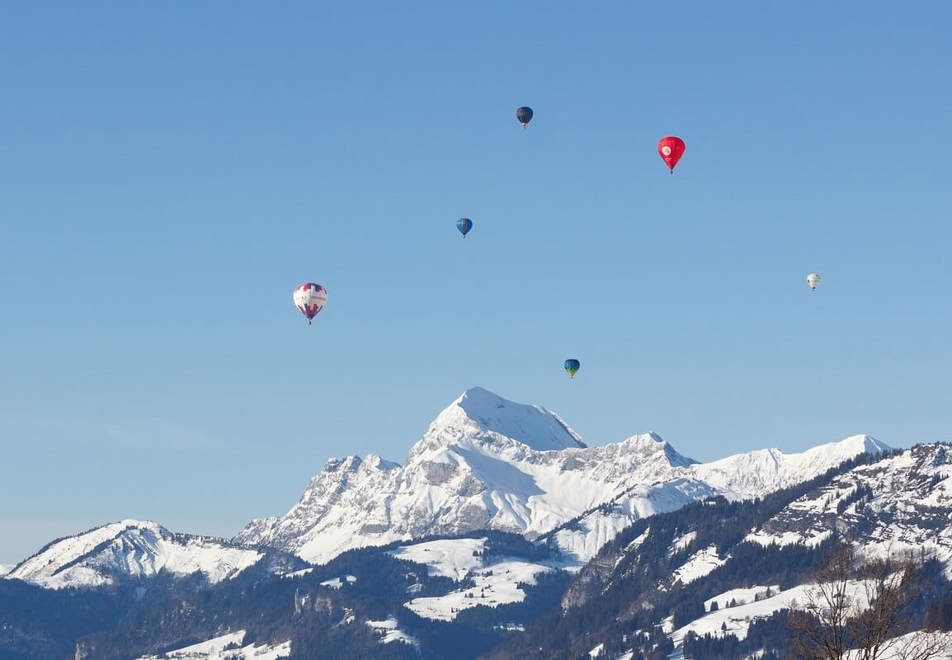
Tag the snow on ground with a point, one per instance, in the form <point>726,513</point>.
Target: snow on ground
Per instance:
<point>510,627</point>
<point>347,619</point>
<point>754,473</point>
<point>294,574</point>
<point>390,632</point>
<point>909,641</point>
<point>452,558</point>
<point>811,538</point>
<point>736,620</point>
<point>905,508</point>
<point>489,463</point>
<point>632,546</point>
<point>682,542</point>
<point>742,596</point>
<point>667,625</point>
<point>130,547</point>
<point>583,540</point>
<point>336,583</point>
<point>533,426</point>
<point>4,569</point>
<point>698,565</point>
<point>496,584</point>
<point>227,647</point>
<point>597,651</point>
<point>636,543</point>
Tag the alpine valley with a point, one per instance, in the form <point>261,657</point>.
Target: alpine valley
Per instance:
<point>501,536</point>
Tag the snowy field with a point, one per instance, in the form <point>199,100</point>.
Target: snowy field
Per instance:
<point>452,558</point>
<point>390,632</point>
<point>698,565</point>
<point>736,620</point>
<point>495,583</point>
<point>742,596</point>
<point>227,647</point>
<point>336,583</point>
<point>682,542</point>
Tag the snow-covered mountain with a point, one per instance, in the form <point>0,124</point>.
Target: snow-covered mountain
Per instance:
<point>757,558</point>
<point>899,504</point>
<point>131,548</point>
<point>489,463</point>
<point>741,476</point>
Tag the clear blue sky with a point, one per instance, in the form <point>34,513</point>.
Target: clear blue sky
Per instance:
<point>169,172</point>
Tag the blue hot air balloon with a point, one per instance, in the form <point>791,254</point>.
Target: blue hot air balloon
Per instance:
<point>524,115</point>
<point>464,225</point>
<point>572,366</point>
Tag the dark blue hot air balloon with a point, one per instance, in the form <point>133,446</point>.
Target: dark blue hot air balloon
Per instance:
<point>572,366</point>
<point>464,225</point>
<point>524,115</point>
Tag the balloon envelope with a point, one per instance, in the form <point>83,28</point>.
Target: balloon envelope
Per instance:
<point>310,299</point>
<point>813,279</point>
<point>572,366</point>
<point>671,148</point>
<point>464,225</point>
<point>524,115</point>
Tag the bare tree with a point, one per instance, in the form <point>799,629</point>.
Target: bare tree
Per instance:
<point>888,586</point>
<point>858,611</point>
<point>820,625</point>
<point>923,645</point>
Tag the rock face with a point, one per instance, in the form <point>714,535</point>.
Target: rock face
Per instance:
<point>131,549</point>
<point>899,504</point>
<point>756,558</point>
<point>489,463</point>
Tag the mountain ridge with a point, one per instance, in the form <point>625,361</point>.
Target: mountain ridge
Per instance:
<point>483,463</point>
<point>131,549</point>
<point>488,463</point>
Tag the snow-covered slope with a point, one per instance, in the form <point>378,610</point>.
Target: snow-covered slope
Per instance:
<point>754,473</point>
<point>741,476</point>
<point>900,503</point>
<point>452,558</point>
<point>4,569</point>
<point>390,632</point>
<point>738,555</point>
<point>490,582</point>
<point>227,647</point>
<point>489,463</point>
<point>736,620</point>
<point>131,548</point>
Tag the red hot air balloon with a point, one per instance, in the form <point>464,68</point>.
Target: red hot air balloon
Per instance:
<point>671,149</point>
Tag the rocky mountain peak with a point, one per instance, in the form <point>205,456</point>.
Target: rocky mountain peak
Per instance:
<point>478,414</point>
<point>652,444</point>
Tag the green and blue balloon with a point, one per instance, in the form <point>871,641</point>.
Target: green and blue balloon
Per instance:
<point>572,366</point>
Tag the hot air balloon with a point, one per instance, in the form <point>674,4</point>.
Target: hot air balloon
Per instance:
<point>524,115</point>
<point>464,225</point>
<point>671,149</point>
<point>813,279</point>
<point>310,298</point>
<point>572,366</point>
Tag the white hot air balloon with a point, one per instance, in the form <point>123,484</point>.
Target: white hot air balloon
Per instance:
<point>310,298</point>
<point>813,279</point>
